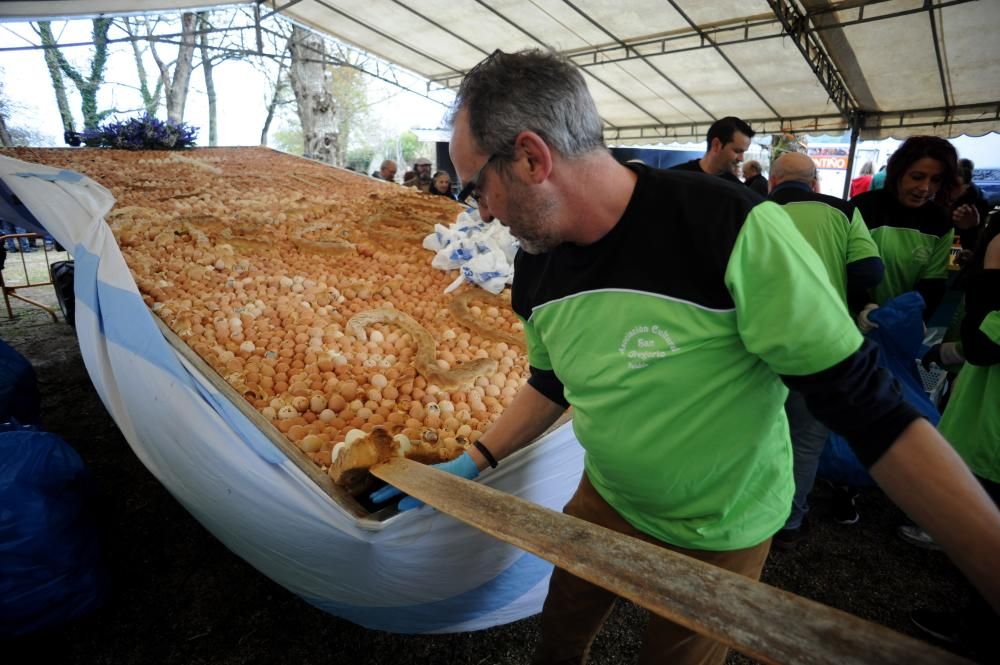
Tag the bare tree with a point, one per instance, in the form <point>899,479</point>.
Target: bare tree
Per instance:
<point>178,90</point>
<point>174,84</point>
<point>278,94</point>
<point>150,99</point>
<point>59,88</point>
<point>5,139</point>
<point>10,133</point>
<point>86,85</point>
<point>207,68</point>
<point>317,110</point>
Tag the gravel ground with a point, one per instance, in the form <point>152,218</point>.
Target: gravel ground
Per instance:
<point>180,597</point>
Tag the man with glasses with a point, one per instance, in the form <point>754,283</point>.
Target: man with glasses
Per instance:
<point>669,310</point>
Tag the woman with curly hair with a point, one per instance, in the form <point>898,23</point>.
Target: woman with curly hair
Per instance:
<point>911,223</point>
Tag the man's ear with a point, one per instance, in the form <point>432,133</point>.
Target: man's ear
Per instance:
<point>536,154</point>
<point>716,146</point>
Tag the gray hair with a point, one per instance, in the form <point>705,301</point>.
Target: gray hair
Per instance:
<point>753,164</point>
<point>867,169</point>
<point>508,93</point>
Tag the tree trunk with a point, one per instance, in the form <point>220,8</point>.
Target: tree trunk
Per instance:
<point>88,86</point>
<point>207,66</point>
<point>5,139</point>
<point>44,30</point>
<point>317,111</point>
<point>177,93</point>
<point>272,106</point>
<point>150,100</point>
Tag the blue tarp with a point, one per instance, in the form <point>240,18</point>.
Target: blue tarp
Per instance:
<point>900,340</point>
<point>18,387</point>
<point>50,559</point>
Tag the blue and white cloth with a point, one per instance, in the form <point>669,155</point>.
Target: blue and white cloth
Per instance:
<point>417,572</point>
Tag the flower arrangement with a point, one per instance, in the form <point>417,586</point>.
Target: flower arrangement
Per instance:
<point>143,133</point>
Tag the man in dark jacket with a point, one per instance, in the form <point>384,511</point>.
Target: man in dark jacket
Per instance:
<point>753,178</point>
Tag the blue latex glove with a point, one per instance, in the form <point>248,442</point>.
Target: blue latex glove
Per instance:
<point>462,467</point>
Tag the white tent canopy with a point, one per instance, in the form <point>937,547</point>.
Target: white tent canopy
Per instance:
<point>663,70</point>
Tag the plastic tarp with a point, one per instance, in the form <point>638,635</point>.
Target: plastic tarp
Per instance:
<point>899,337</point>
<point>417,572</point>
<point>663,71</point>
<point>51,566</point>
<point>19,398</point>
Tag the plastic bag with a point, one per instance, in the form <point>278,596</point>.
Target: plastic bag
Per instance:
<point>18,387</point>
<point>50,562</point>
<point>900,341</point>
<point>482,253</point>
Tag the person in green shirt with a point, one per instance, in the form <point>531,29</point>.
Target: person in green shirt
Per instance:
<point>839,235</point>
<point>910,221</point>
<point>673,311</point>
<point>971,422</point>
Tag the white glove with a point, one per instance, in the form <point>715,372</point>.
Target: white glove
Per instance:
<point>865,324</point>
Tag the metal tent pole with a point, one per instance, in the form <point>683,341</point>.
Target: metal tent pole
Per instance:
<point>855,121</point>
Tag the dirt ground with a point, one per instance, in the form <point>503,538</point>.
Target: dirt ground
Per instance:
<point>180,597</point>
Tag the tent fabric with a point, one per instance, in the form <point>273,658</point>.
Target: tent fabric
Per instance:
<point>416,572</point>
<point>663,71</point>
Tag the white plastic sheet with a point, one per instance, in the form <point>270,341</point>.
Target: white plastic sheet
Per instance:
<point>418,572</point>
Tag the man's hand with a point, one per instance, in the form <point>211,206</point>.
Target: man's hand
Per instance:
<point>965,216</point>
<point>462,466</point>
<point>943,354</point>
<point>865,325</point>
<point>933,355</point>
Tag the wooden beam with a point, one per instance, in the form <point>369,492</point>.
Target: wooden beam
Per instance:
<point>766,623</point>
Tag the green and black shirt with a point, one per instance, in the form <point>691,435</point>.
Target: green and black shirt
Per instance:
<point>839,235</point>
<point>971,422</point>
<point>914,244</point>
<point>671,337</point>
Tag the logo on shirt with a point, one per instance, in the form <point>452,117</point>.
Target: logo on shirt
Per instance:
<point>643,345</point>
<point>922,254</point>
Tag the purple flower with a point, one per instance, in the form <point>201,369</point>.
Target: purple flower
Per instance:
<point>144,133</point>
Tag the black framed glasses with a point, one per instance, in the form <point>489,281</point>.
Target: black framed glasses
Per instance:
<point>472,187</point>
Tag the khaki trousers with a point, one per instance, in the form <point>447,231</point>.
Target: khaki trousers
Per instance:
<point>575,609</point>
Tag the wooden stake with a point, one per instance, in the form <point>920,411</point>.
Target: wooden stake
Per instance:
<point>766,623</point>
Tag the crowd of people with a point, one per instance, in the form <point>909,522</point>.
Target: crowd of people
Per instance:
<point>421,178</point>
<point>707,333</point>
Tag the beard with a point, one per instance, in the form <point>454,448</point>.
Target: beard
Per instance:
<point>531,218</point>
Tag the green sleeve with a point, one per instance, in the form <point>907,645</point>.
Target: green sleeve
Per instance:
<point>538,355</point>
<point>859,240</point>
<point>787,311</point>
<point>937,266</point>
<point>991,326</point>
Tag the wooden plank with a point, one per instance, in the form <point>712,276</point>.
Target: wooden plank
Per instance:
<point>325,483</point>
<point>766,623</point>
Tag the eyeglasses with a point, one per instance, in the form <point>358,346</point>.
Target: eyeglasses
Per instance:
<point>472,187</point>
